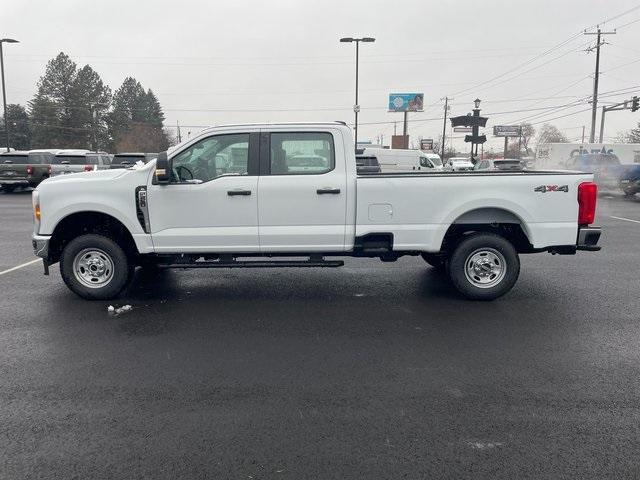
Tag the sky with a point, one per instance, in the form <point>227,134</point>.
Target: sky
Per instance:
<point>240,61</point>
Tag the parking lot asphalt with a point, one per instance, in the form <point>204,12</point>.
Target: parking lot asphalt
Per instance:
<point>373,370</point>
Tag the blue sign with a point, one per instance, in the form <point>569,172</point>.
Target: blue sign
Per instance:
<point>406,102</point>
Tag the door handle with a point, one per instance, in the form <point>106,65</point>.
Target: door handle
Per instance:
<point>233,193</point>
<point>324,191</point>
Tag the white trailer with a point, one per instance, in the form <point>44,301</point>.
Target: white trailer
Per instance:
<point>557,155</point>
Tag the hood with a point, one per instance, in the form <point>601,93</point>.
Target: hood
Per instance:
<point>87,176</point>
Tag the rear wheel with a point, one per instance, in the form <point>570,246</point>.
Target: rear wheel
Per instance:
<point>95,267</point>
<point>436,261</point>
<point>484,266</point>
<point>8,188</point>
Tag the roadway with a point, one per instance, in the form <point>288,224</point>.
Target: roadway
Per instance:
<point>373,370</point>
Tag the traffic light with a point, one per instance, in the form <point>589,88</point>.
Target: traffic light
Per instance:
<point>634,104</point>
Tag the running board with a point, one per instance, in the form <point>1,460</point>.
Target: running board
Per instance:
<point>256,264</point>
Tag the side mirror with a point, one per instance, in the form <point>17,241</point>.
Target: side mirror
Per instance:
<point>163,169</point>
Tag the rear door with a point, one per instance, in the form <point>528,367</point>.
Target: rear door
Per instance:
<point>301,192</point>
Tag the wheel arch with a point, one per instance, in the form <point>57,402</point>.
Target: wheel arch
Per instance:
<point>498,220</point>
<point>89,221</point>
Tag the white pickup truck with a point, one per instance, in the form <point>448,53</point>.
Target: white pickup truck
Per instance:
<point>288,195</point>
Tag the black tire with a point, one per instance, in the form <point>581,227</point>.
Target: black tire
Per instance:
<point>110,254</point>
<point>474,264</point>
<point>628,192</point>
<point>436,261</point>
<point>8,188</point>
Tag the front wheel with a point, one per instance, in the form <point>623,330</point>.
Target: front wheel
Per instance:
<point>95,267</point>
<point>484,266</point>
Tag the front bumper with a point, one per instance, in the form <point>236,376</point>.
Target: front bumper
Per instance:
<point>588,238</point>
<point>40,245</point>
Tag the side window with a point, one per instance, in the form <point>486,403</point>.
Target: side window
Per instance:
<point>92,160</point>
<point>302,153</point>
<point>106,160</point>
<point>212,157</point>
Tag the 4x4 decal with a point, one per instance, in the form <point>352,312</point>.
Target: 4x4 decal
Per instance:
<point>552,188</point>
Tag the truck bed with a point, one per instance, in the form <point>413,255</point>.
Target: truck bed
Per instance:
<point>418,208</point>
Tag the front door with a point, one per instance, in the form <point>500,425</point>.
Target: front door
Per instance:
<point>301,193</point>
<point>211,204</point>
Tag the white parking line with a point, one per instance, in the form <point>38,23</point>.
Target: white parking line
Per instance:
<point>20,266</point>
<point>625,219</point>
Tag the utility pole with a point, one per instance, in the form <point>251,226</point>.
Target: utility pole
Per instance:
<point>594,101</point>
<point>444,125</point>
<point>94,115</point>
<point>179,136</point>
<point>520,142</point>
<point>582,134</point>
<point>405,140</point>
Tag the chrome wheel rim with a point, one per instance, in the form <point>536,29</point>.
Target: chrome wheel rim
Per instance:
<point>93,268</point>
<point>485,268</point>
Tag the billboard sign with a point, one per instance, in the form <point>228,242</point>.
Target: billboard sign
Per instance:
<point>426,144</point>
<point>506,130</point>
<point>406,102</point>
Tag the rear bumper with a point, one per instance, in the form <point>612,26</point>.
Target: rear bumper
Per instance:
<point>14,181</point>
<point>588,238</point>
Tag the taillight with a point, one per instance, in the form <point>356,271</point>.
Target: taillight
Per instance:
<point>29,170</point>
<point>88,168</point>
<point>587,196</point>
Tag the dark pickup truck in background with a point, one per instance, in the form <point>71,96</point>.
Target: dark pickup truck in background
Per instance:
<point>24,169</point>
<point>630,180</point>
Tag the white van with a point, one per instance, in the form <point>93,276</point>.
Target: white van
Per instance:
<point>402,160</point>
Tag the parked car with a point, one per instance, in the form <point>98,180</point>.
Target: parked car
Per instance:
<point>171,214</point>
<point>74,161</point>
<point>460,164</point>
<point>391,160</point>
<point>630,180</point>
<point>367,164</point>
<point>606,167</point>
<point>126,160</point>
<point>507,164</point>
<point>24,169</point>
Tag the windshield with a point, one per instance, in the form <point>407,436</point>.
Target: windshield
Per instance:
<point>435,160</point>
<point>69,160</point>
<point>17,159</point>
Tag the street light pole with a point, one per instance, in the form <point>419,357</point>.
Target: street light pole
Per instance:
<point>4,90</point>
<point>356,107</point>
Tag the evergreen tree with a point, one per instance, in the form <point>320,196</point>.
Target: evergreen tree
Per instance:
<point>19,130</point>
<point>136,121</point>
<point>68,110</point>
<point>50,108</point>
<point>90,100</point>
